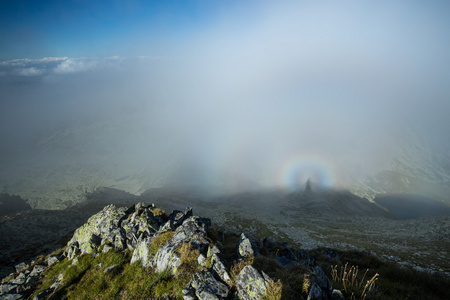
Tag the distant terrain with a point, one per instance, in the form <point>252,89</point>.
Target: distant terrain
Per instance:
<point>308,218</point>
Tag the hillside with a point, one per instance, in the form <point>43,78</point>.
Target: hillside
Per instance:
<point>140,252</point>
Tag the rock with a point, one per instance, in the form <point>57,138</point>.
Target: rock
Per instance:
<point>337,295</point>
<point>22,266</point>
<point>120,228</point>
<point>193,232</point>
<point>43,294</point>
<point>142,252</point>
<point>31,280</point>
<point>57,283</point>
<point>212,251</point>
<point>201,259</point>
<point>11,297</point>
<point>251,284</point>
<point>37,270</point>
<point>110,269</point>
<point>207,287</point>
<point>106,248</point>
<point>245,247</point>
<point>315,293</point>
<point>219,267</point>
<point>75,261</point>
<point>321,284</point>
<point>89,235</point>
<point>8,288</point>
<point>20,279</point>
<point>330,253</point>
<point>72,250</point>
<point>51,260</point>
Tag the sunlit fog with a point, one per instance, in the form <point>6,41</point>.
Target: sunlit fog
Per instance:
<point>225,97</point>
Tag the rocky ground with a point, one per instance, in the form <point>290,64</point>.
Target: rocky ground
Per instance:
<point>423,243</point>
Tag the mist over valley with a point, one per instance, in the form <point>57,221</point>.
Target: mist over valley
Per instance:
<point>319,125</point>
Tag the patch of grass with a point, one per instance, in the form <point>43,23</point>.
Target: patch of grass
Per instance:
<point>237,267</point>
<point>157,211</point>
<point>51,275</point>
<point>273,291</point>
<point>292,279</point>
<point>160,240</point>
<point>348,278</point>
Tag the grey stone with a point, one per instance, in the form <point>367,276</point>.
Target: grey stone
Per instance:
<point>220,269</point>
<point>315,293</point>
<point>75,261</point>
<point>11,297</point>
<point>20,279</point>
<point>142,252</point>
<point>245,249</point>
<point>337,295</point>
<point>251,284</point>
<point>110,269</point>
<point>207,287</point>
<point>193,232</point>
<point>22,266</point>
<point>201,259</point>
<point>8,288</point>
<point>212,250</point>
<point>51,260</point>
<point>37,270</point>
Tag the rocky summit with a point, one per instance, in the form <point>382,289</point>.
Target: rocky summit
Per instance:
<point>141,252</point>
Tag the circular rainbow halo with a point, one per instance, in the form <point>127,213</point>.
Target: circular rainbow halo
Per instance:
<point>320,169</point>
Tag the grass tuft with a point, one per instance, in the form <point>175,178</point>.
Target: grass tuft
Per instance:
<point>160,240</point>
<point>351,282</point>
<point>273,291</point>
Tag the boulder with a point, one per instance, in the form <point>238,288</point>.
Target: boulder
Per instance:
<point>219,268</point>
<point>245,247</point>
<point>22,266</point>
<point>207,287</point>
<point>51,260</point>
<point>142,252</point>
<point>37,270</point>
<point>320,284</point>
<point>251,284</point>
<point>193,232</point>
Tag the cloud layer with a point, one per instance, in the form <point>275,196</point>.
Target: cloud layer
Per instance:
<point>323,87</point>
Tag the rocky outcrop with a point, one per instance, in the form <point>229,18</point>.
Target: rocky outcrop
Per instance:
<point>20,285</point>
<point>137,228</point>
<point>118,227</point>
<point>192,232</point>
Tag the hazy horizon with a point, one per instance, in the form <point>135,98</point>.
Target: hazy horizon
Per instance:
<point>223,94</point>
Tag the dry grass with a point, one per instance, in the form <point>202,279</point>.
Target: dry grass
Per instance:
<point>156,211</point>
<point>188,256</point>
<point>348,277</point>
<point>306,284</point>
<point>237,267</point>
<point>160,240</point>
<point>273,291</point>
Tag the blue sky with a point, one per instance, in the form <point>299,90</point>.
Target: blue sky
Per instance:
<point>35,29</point>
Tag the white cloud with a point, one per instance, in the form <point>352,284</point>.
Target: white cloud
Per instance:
<point>30,71</point>
<point>115,57</point>
<point>74,66</point>
<point>49,59</point>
